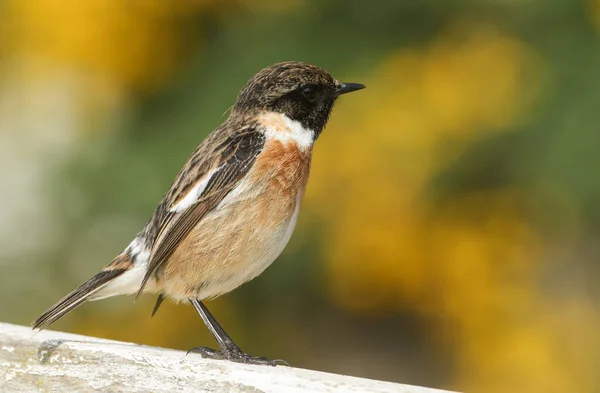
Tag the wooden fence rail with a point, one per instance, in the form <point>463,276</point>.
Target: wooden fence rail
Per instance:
<point>51,361</point>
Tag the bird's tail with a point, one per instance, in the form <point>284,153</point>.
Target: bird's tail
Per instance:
<point>86,291</point>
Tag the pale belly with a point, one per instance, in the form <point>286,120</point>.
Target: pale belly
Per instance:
<point>230,246</point>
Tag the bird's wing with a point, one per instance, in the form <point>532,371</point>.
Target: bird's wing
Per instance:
<point>231,161</point>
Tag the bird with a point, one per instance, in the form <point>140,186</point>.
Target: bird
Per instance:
<point>232,208</point>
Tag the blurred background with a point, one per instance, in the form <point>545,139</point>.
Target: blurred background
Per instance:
<point>449,235</point>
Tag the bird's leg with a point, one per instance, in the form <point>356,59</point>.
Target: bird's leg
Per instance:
<point>229,349</point>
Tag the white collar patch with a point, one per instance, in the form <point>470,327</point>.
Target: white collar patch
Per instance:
<point>280,127</point>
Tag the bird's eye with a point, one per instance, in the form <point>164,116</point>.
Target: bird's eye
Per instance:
<point>310,93</point>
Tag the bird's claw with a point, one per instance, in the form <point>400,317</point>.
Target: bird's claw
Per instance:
<point>236,355</point>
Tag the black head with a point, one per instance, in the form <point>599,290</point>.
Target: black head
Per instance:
<point>301,91</point>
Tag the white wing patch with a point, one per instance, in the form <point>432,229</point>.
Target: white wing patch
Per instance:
<point>280,127</point>
<point>192,196</point>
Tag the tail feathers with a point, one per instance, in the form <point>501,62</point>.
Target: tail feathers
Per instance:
<point>76,298</point>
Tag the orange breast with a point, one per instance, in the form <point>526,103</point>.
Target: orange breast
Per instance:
<point>284,169</point>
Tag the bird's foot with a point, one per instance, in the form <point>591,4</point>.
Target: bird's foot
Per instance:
<point>236,355</point>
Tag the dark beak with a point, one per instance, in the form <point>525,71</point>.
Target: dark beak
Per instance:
<point>348,88</point>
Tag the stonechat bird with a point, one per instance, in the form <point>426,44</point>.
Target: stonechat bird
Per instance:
<point>232,208</point>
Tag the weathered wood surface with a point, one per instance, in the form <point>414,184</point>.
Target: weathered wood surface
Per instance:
<point>51,361</point>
